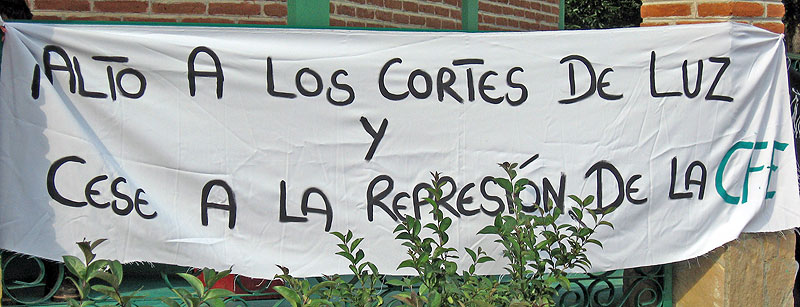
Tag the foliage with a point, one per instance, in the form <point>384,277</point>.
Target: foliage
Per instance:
<point>91,269</point>
<point>540,242</point>
<point>791,19</point>
<point>429,256</point>
<point>299,292</point>
<point>537,245</point>
<point>602,14</point>
<point>202,293</point>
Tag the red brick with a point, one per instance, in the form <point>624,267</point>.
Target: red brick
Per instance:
<point>441,11</point>
<point>450,25</point>
<point>692,22</point>
<point>336,22</point>
<point>238,9</point>
<point>400,18</point>
<point>261,22</point>
<point>665,9</point>
<point>63,5</point>
<point>489,19</point>
<point>275,9</point>
<point>206,20</point>
<point>536,6</point>
<point>416,20</point>
<point>653,24</point>
<point>121,6</point>
<point>150,19</point>
<point>179,8</point>
<point>378,3</point>
<point>345,10</point>
<point>775,10</point>
<point>375,25</point>
<point>365,13</point>
<point>357,1</point>
<point>356,24</point>
<point>393,4</point>
<point>743,9</point>
<point>409,6</point>
<point>453,2</point>
<point>40,16</point>
<point>777,27</point>
<point>383,15</point>
<point>426,8</point>
<point>432,22</point>
<point>96,18</point>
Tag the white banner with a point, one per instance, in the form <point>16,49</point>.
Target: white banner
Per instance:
<point>211,146</point>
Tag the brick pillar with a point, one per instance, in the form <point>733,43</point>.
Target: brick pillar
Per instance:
<point>765,14</point>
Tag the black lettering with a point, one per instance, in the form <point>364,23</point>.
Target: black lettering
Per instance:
<point>299,84</point>
<point>376,136</point>
<point>443,201</point>
<point>725,61</point>
<point>599,167</point>
<point>701,183</point>
<point>35,82</point>
<point>672,176</point>
<point>230,207</point>
<point>698,81</point>
<point>283,217</point>
<point>111,85</point>
<point>89,191</point>
<point>328,212</point>
<point>416,199</point>
<point>630,190</point>
<point>193,74</point>
<point>462,200</point>
<point>523,90</point>
<point>342,86</point>
<point>375,199</point>
<point>443,86</point>
<point>142,83</point>
<point>572,86</point>
<point>601,84</point>
<point>382,81</point>
<point>271,83</point>
<point>51,181</point>
<point>139,201</point>
<point>483,87</point>
<point>50,67</point>
<point>653,91</point>
<point>550,191</point>
<point>81,86</point>
<point>396,206</point>
<point>428,84</point>
<point>115,191</point>
<point>498,200</point>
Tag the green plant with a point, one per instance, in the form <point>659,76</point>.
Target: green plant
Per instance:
<point>201,294</point>
<point>299,292</point>
<point>538,246</point>
<point>439,283</point>
<point>87,272</point>
<point>362,290</point>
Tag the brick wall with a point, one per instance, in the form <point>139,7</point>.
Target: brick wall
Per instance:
<point>766,14</point>
<point>497,15</point>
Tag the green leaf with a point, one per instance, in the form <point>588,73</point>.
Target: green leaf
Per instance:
<point>488,230</point>
<point>289,295</point>
<point>347,255</point>
<point>348,236</point>
<point>446,224</point>
<point>505,184</point>
<point>317,287</point>
<point>576,199</point>
<point>607,223</point>
<point>107,291</point>
<point>107,277</point>
<point>74,265</point>
<point>338,235</point>
<point>396,282</point>
<point>472,254</point>
<point>218,293</point>
<point>359,256</point>
<point>355,243</point>
<point>195,282</point>
<point>593,241</point>
<point>408,263</point>
<point>588,200</point>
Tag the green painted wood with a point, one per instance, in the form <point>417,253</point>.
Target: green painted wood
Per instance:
<point>469,15</point>
<point>308,13</point>
<point>561,14</point>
